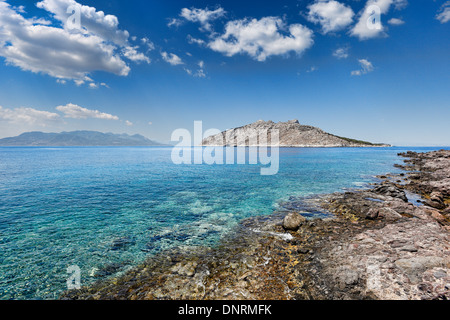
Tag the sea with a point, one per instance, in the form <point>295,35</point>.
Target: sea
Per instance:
<point>104,210</point>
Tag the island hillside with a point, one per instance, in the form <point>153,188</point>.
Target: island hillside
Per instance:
<point>291,134</point>
<point>77,138</point>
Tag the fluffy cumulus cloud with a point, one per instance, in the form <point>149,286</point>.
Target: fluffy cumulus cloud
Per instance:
<point>25,119</point>
<point>202,16</point>
<point>369,24</point>
<point>92,21</point>
<point>171,58</point>
<point>366,67</point>
<point>331,15</point>
<point>28,116</point>
<point>262,38</point>
<point>444,13</point>
<point>61,51</point>
<point>74,111</point>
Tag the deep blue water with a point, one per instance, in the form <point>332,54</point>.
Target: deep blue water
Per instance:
<point>107,209</point>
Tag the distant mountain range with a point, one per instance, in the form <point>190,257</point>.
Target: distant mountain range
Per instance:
<point>291,134</point>
<point>77,139</point>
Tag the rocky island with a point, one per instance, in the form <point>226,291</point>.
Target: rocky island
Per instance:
<point>388,241</point>
<point>291,134</point>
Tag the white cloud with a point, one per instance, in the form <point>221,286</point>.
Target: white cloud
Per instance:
<point>341,53</point>
<point>174,22</point>
<point>192,40</point>
<point>400,4</point>
<point>64,53</point>
<point>42,21</point>
<point>80,82</point>
<point>92,21</point>
<point>200,73</point>
<point>150,45</point>
<point>132,54</point>
<point>202,16</point>
<point>74,111</point>
<point>262,38</point>
<point>331,15</point>
<point>364,28</point>
<point>28,116</point>
<point>171,58</point>
<point>366,67</point>
<point>444,14</point>
<point>129,123</point>
<point>20,9</point>
<point>396,21</point>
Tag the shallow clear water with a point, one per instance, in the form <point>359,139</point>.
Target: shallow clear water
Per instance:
<point>107,209</point>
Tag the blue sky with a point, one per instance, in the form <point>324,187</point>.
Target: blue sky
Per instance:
<point>151,67</point>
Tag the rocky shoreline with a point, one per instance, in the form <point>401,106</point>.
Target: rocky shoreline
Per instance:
<point>378,243</point>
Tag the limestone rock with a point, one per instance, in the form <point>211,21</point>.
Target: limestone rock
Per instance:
<point>293,221</point>
<point>416,266</point>
<point>436,200</point>
<point>291,134</point>
<point>391,191</point>
<point>372,214</point>
<point>389,214</point>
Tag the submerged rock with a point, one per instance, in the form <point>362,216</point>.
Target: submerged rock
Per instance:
<point>122,243</point>
<point>187,269</point>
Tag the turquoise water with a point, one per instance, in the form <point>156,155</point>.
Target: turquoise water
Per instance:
<point>107,209</point>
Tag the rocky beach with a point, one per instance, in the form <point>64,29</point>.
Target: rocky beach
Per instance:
<point>389,241</point>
